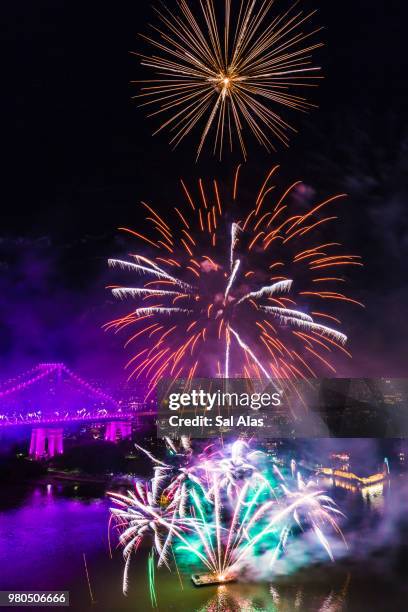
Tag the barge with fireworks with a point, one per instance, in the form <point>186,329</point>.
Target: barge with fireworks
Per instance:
<point>200,580</point>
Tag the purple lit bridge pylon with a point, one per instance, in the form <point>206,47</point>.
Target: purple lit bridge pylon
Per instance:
<point>51,395</point>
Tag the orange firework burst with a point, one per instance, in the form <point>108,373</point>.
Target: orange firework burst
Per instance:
<point>231,75</point>
<point>230,294</point>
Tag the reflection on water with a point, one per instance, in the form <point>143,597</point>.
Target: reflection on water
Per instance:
<point>334,601</point>
<point>373,495</point>
<point>43,532</point>
<point>278,599</point>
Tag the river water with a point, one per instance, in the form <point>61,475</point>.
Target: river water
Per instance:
<point>47,532</point>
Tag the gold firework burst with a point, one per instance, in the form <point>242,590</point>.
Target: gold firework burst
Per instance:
<point>253,291</point>
<point>229,77</point>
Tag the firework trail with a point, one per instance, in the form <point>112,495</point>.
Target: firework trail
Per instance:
<point>221,532</point>
<point>141,514</point>
<point>230,72</point>
<point>253,294</point>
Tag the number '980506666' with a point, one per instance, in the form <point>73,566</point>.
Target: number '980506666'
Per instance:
<point>34,598</point>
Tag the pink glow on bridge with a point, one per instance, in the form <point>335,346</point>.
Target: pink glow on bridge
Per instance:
<point>52,393</point>
<point>46,442</point>
<point>42,370</point>
<point>118,429</point>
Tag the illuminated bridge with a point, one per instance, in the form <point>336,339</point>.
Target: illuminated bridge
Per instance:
<point>51,395</point>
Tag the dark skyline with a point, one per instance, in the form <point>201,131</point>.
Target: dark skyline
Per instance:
<point>78,156</point>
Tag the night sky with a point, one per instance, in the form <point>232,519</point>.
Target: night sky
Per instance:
<point>78,156</point>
